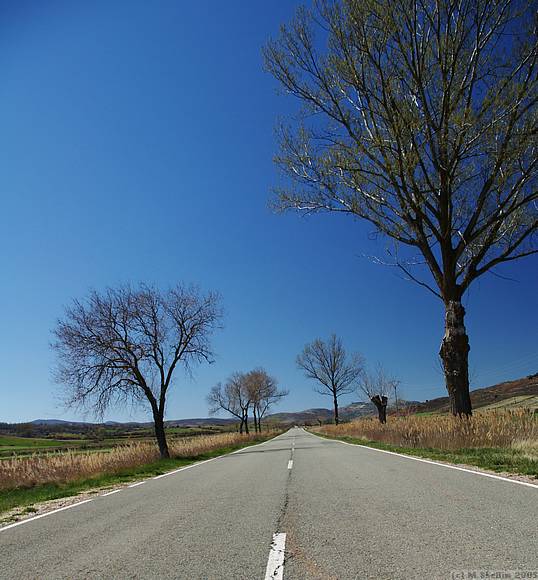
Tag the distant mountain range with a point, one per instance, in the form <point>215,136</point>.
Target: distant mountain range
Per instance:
<point>509,394</point>
<point>173,423</point>
<point>351,411</point>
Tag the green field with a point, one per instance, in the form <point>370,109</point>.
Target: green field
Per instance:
<point>11,445</point>
<point>25,498</point>
<point>101,439</point>
<point>518,402</point>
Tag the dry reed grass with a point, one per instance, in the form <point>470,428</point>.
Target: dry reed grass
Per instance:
<point>64,467</point>
<point>503,429</point>
<point>528,448</point>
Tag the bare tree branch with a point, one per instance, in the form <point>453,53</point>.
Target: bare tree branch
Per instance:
<point>328,364</point>
<point>124,345</point>
<point>420,118</point>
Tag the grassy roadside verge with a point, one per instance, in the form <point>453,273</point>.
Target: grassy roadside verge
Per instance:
<point>26,497</point>
<point>500,460</point>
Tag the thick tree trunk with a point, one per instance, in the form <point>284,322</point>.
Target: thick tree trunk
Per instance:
<point>381,405</point>
<point>245,419</point>
<point>255,420</point>
<point>259,425</point>
<point>454,354</point>
<point>335,402</point>
<point>160,434</point>
<point>241,426</point>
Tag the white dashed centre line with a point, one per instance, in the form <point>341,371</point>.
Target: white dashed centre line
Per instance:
<point>275,564</point>
<point>290,463</point>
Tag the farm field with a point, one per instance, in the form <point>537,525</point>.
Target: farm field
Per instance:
<point>520,402</point>
<point>42,476</point>
<point>101,439</point>
<point>13,445</point>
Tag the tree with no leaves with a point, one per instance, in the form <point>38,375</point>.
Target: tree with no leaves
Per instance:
<point>264,392</point>
<point>421,118</point>
<point>234,397</point>
<point>328,364</point>
<point>378,387</point>
<point>124,345</point>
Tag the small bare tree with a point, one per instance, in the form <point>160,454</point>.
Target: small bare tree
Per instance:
<point>420,118</point>
<point>328,364</point>
<point>224,398</point>
<point>124,345</point>
<point>264,393</point>
<point>234,397</point>
<point>378,387</point>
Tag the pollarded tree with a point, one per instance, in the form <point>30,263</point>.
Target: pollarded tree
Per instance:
<point>378,386</point>
<point>124,345</point>
<point>328,364</point>
<point>421,118</point>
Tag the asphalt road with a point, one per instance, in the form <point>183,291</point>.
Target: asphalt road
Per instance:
<point>346,512</point>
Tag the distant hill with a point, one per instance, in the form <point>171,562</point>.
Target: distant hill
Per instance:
<point>307,416</point>
<point>200,422</point>
<point>507,395</point>
<point>57,422</point>
<point>173,423</point>
<point>351,411</point>
<point>520,391</point>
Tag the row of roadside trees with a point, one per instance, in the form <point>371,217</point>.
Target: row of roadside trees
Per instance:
<point>124,345</point>
<point>337,373</point>
<point>255,391</point>
<point>420,119</point>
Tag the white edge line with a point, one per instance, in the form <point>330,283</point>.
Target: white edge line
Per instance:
<point>290,463</point>
<point>483,474</point>
<point>275,563</point>
<point>212,459</point>
<point>186,467</point>
<point>27,520</point>
<point>66,507</point>
<point>111,492</point>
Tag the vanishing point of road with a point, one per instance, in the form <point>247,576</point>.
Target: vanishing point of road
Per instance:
<point>295,507</point>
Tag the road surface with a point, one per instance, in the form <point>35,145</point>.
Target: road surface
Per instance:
<point>334,510</point>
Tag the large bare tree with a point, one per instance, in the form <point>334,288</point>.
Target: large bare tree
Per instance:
<point>327,363</point>
<point>421,118</point>
<point>123,346</point>
<point>264,393</point>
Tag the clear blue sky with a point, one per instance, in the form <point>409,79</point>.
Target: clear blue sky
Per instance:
<point>136,144</point>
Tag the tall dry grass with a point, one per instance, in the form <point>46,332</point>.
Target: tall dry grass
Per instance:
<point>64,467</point>
<point>487,429</point>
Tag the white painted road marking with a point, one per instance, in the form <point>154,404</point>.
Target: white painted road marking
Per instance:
<point>187,467</point>
<point>43,515</point>
<point>275,564</point>
<point>137,484</point>
<point>290,463</point>
<point>434,463</point>
<point>25,521</point>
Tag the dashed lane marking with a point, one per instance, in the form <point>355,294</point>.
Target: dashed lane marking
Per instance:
<point>275,563</point>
